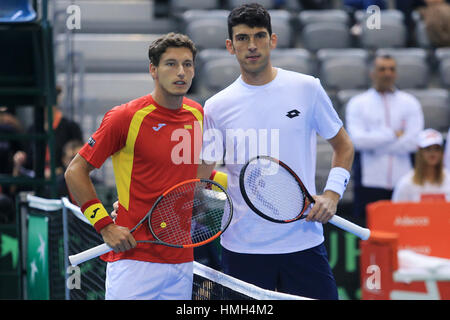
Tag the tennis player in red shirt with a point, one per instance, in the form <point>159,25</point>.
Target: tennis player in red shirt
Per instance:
<point>138,135</point>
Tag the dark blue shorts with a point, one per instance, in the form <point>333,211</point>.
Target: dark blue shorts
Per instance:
<point>305,273</point>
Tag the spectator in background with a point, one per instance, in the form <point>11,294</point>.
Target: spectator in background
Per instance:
<point>64,131</point>
<point>70,150</point>
<point>383,123</point>
<point>429,180</point>
<point>436,17</point>
<point>9,124</point>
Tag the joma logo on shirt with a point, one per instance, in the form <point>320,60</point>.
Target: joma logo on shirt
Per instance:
<point>160,125</point>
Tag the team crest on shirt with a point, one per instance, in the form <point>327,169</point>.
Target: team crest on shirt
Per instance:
<point>293,113</point>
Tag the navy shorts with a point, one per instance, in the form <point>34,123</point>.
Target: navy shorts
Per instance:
<point>305,273</point>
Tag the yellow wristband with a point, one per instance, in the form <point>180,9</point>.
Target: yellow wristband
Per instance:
<point>96,213</point>
<point>221,178</point>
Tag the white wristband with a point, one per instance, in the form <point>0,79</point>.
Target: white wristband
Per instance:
<point>337,180</point>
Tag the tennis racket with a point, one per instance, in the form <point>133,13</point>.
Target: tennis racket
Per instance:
<point>273,191</point>
<point>187,215</point>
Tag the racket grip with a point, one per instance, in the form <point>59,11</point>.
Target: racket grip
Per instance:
<point>362,233</point>
<point>89,254</point>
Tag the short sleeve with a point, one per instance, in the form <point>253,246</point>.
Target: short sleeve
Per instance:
<point>109,138</point>
<point>326,120</point>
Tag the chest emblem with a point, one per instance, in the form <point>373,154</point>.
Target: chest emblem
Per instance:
<point>160,125</point>
<point>293,113</point>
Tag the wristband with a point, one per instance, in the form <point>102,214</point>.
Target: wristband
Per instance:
<point>219,177</point>
<point>96,213</point>
<point>337,180</point>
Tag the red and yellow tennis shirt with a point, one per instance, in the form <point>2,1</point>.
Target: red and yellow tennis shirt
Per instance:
<point>152,149</point>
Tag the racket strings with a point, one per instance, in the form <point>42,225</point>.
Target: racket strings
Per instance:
<point>273,190</point>
<point>190,214</point>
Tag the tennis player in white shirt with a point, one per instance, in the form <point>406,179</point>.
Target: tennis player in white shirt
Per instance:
<point>285,111</point>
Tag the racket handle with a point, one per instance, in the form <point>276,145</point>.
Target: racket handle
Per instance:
<point>89,254</point>
<point>362,233</point>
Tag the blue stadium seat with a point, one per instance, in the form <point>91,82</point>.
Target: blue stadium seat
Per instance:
<point>16,11</point>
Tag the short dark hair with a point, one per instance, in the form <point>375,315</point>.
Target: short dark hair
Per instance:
<point>176,40</point>
<point>252,15</point>
<point>384,56</point>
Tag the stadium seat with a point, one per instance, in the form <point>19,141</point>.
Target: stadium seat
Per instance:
<point>294,59</point>
<point>207,28</point>
<point>324,29</point>
<point>102,91</point>
<point>179,6</point>
<point>391,34</point>
<point>325,35</point>
<point>421,36</point>
<point>268,4</point>
<point>332,15</point>
<point>113,16</point>
<point>413,69</point>
<point>443,58</point>
<point>106,52</point>
<point>436,107</point>
<point>444,70</point>
<point>343,68</point>
<point>216,74</point>
<point>16,11</point>
<point>281,26</point>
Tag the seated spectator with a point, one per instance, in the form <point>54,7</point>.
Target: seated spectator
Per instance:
<point>70,150</point>
<point>64,131</point>
<point>429,180</point>
<point>9,124</point>
<point>436,16</point>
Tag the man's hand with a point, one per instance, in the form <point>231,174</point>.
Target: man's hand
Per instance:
<point>324,208</point>
<point>118,238</point>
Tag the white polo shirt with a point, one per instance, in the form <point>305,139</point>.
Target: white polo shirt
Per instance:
<point>372,118</point>
<point>281,119</point>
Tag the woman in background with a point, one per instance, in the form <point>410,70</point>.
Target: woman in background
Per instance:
<point>429,180</point>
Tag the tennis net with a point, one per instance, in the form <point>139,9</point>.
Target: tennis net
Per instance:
<point>208,284</point>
